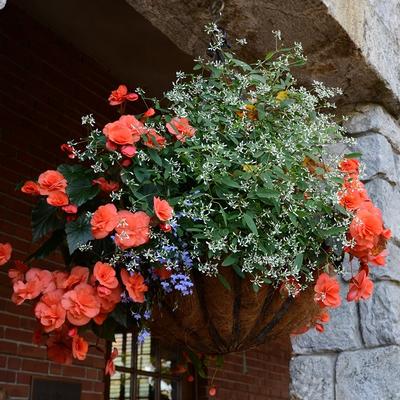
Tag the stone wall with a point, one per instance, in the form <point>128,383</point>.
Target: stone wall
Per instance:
<point>358,355</point>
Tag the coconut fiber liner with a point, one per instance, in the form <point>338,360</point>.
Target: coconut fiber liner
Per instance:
<point>215,320</point>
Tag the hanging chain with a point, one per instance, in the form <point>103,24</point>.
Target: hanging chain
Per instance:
<point>216,8</point>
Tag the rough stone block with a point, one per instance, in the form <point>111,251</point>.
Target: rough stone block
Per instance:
<point>371,374</point>
<point>373,118</point>
<point>380,315</point>
<point>377,157</point>
<point>312,377</point>
<point>341,332</point>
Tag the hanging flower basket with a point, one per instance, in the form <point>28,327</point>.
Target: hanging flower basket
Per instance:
<point>215,216</point>
<point>216,320</point>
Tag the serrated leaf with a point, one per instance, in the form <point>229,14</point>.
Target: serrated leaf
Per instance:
<point>230,260</point>
<point>248,219</point>
<point>49,245</point>
<point>44,220</point>
<point>80,188</point>
<point>78,233</point>
<point>224,282</point>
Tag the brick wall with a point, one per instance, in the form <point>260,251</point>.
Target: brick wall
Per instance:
<point>45,88</point>
<point>259,374</point>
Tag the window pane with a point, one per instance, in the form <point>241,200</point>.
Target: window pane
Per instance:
<point>169,389</point>
<point>123,342</point>
<point>145,388</point>
<point>170,361</point>
<point>120,386</point>
<point>146,355</point>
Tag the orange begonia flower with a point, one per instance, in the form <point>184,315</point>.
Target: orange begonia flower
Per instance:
<point>154,140</point>
<point>120,95</point>
<point>366,226</point>
<point>57,199</point>
<point>77,275</point>
<point>81,303</point>
<point>134,285</point>
<point>350,166</point>
<point>104,220</point>
<point>327,291</point>
<point>59,347</point>
<point>132,229</point>
<point>49,310</point>
<point>5,253</point>
<point>80,347</point>
<point>180,128</point>
<point>106,186</point>
<point>110,366</point>
<point>51,181</point>
<point>118,133</point>
<point>360,287</point>
<point>30,187</point>
<point>105,275</point>
<point>162,209</point>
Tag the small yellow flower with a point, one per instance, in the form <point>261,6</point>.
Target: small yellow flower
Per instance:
<point>282,95</point>
<point>248,167</point>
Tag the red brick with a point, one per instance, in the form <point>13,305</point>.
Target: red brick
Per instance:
<point>16,390</point>
<point>39,367</point>
<point>8,347</point>
<point>24,378</point>
<point>14,363</point>
<point>7,376</point>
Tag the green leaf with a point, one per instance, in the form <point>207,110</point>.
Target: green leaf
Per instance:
<point>153,154</point>
<point>248,219</point>
<point>241,64</point>
<point>298,261</point>
<point>353,155</point>
<point>224,282</point>
<point>198,365</point>
<point>49,245</point>
<point>238,271</point>
<point>230,260</point>
<point>80,188</point>
<point>78,233</point>
<point>44,220</point>
<point>223,215</point>
<point>227,181</point>
<point>107,330</point>
<point>219,361</point>
<point>120,315</point>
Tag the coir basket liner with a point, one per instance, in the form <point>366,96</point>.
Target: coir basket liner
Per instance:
<point>216,320</point>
